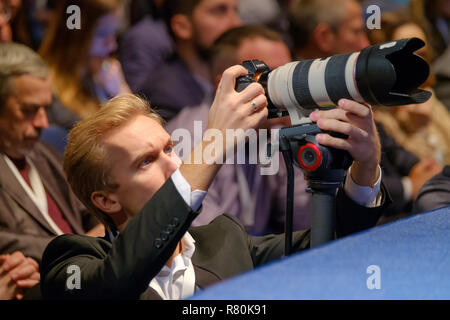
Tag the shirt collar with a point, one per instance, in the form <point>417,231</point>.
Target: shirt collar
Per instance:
<point>182,260</point>
<point>187,245</point>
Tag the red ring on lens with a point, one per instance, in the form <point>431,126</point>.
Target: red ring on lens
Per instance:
<point>318,156</point>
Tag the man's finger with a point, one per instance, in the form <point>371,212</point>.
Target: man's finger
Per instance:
<point>259,115</point>
<point>257,103</point>
<point>338,114</point>
<point>22,272</point>
<point>253,90</point>
<point>33,262</point>
<point>13,261</point>
<point>329,141</point>
<point>228,81</point>
<point>342,127</point>
<point>356,108</point>
<point>27,283</point>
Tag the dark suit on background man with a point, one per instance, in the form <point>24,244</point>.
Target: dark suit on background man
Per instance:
<point>435,193</point>
<point>396,163</point>
<point>124,269</point>
<point>179,89</point>
<point>22,226</point>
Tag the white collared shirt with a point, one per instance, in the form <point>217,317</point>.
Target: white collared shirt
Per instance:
<point>178,281</point>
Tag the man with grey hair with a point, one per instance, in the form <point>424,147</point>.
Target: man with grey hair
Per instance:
<point>321,28</point>
<point>36,203</point>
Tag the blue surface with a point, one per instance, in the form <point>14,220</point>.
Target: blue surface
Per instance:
<point>413,255</point>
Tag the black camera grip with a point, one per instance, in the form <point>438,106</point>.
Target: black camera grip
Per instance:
<point>243,82</point>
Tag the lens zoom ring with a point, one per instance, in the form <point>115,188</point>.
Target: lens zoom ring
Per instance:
<point>335,78</point>
<point>301,86</point>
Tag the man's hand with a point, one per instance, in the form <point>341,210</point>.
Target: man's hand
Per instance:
<point>356,121</point>
<point>230,110</point>
<point>17,273</point>
<point>234,110</point>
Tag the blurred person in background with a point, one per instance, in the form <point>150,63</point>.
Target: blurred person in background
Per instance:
<point>5,17</point>
<point>183,79</point>
<point>31,21</point>
<point>36,203</point>
<point>82,67</point>
<point>145,45</point>
<point>321,28</point>
<point>433,16</point>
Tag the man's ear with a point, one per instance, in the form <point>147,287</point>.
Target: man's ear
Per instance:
<point>182,26</point>
<point>105,201</point>
<point>323,37</point>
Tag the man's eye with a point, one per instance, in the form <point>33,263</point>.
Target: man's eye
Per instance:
<point>169,149</point>
<point>146,162</point>
<point>220,10</point>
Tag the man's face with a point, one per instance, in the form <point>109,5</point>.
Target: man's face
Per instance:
<point>23,116</point>
<point>351,35</point>
<point>142,158</point>
<point>211,18</point>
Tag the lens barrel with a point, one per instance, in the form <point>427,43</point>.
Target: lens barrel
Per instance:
<point>384,74</point>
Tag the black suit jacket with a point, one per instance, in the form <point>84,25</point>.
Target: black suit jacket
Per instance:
<point>123,269</point>
<point>396,163</point>
<point>435,193</point>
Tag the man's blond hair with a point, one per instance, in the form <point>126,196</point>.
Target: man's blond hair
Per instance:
<point>86,161</point>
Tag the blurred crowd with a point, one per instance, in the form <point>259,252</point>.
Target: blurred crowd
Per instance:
<point>173,53</point>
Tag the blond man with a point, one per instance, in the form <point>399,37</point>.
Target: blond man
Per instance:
<point>121,164</point>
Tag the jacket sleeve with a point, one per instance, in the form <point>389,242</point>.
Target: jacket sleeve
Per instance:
<point>350,218</point>
<point>30,245</point>
<point>123,270</point>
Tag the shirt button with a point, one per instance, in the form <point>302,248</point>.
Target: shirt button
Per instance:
<point>174,222</point>
<point>168,229</point>
<point>158,243</point>
<point>164,236</point>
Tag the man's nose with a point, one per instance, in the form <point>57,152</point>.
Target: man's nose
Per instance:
<point>40,120</point>
<point>169,165</point>
<point>235,20</point>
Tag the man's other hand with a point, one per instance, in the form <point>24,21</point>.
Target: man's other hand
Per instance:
<point>356,121</point>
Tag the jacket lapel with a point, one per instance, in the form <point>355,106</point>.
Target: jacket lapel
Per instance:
<point>12,187</point>
<point>204,278</point>
<point>150,294</point>
<point>51,186</point>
